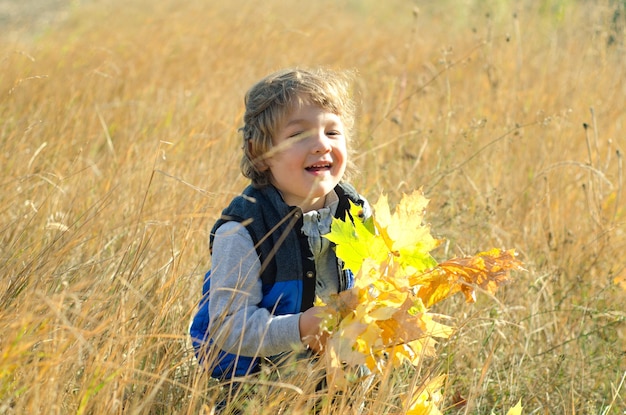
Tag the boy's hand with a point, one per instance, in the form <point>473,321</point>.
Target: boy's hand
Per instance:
<point>310,330</point>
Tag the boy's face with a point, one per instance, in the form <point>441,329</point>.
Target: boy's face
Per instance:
<point>309,156</point>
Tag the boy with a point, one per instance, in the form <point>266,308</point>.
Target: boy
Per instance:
<point>269,257</point>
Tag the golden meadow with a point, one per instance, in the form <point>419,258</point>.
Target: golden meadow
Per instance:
<point>119,148</point>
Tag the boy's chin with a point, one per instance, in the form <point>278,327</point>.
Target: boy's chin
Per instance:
<point>322,189</point>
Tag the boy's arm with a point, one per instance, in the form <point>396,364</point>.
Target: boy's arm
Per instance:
<point>236,323</point>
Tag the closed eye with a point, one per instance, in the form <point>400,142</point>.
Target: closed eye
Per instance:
<point>298,135</point>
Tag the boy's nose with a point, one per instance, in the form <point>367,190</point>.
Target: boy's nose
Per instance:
<point>322,142</point>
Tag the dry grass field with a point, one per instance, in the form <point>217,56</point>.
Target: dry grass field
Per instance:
<point>119,148</point>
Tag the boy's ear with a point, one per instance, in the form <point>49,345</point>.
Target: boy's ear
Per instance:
<point>262,164</point>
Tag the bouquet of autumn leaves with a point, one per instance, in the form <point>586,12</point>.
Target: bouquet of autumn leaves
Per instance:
<point>384,319</point>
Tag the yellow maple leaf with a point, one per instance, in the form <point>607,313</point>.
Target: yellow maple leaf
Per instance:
<point>516,410</point>
<point>404,231</point>
<point>426,397</point>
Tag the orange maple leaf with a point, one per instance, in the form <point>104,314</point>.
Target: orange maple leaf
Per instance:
<point>486,270</point>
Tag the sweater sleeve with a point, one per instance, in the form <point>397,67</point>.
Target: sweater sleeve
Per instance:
<point>236,323</point>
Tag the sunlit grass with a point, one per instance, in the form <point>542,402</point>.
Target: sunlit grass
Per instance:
<point>118,127</point>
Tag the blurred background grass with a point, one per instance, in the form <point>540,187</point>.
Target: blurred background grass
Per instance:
<point>118,126</point>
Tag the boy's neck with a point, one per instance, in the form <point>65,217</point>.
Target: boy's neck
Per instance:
<point>308,205</point>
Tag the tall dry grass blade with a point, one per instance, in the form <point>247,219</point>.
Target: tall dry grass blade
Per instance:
<point>107,134</point>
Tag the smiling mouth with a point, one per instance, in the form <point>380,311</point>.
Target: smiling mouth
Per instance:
<point>319,167</point>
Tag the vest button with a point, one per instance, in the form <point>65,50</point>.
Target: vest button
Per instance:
<point>310,274</point>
